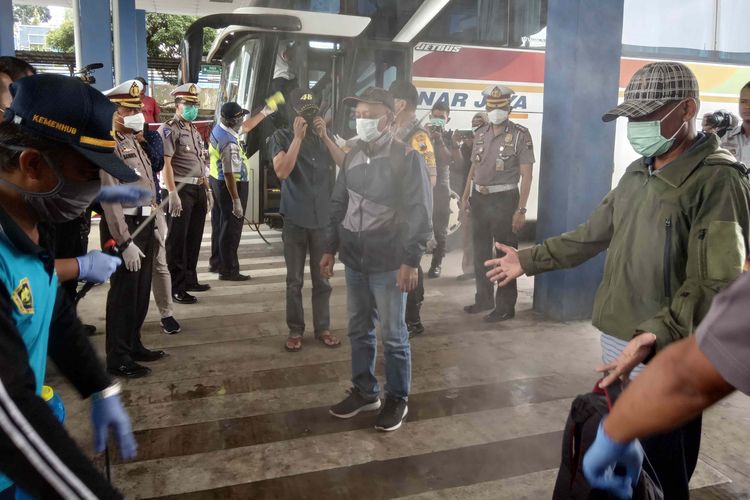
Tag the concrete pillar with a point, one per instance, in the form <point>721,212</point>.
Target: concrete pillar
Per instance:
<point>93,33</point>
<point>581,80</point>
<point>7,45</point>
<point>125,36</point>
<point>140,40</point>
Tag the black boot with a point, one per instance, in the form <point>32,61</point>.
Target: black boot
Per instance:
<point>435,267</point>
<point>414,320</point>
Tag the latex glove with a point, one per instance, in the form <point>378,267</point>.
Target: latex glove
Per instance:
<point>237,209</point>
<point>209,199</point>
<point>108,413</point>
<point>132,195</point>
<point>175,204</point>
<point>604,455</point>
<point>132,256</point>
<point>97,266</point>
<point>267,111</point>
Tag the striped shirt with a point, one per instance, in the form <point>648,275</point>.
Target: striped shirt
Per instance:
<point>612,347</point>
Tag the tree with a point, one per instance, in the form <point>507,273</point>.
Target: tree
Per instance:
<point>30,14</point>
<point>164,32</point>
<point>62,38</point>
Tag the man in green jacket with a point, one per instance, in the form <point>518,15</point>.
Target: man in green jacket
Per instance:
<point>676,231</point>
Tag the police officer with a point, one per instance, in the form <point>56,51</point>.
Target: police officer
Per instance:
<point>503,154</point>
<point>184,166</point>
<point>130,290</point>
<point>737,140</point>
<point>408,130</point>
<point>55,140</point>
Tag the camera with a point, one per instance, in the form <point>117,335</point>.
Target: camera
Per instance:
<point>719,122</point>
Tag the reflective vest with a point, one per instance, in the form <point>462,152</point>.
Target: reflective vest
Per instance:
<point>220,139</point>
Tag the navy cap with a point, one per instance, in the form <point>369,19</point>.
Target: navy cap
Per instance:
<point>65,110</point>
<point>232,110</point>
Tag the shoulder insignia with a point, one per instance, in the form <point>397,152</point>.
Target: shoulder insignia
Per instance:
<point>23,298</point>
<point>520,127</point>
<point>167,132</point>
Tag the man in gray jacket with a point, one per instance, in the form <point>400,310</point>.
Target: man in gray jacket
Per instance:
<point>380,224</point>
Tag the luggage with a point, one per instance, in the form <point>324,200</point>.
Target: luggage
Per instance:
<point>586,411</point>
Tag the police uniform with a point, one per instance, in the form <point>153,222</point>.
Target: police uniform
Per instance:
<point>737,143</point>
<point>497,158</point>
<point>184,144</point>
<point>415,136</point>
<point>227,157</point>
<point>129,292</point>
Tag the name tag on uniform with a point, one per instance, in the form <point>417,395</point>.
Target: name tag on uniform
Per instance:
<point>128,156</point>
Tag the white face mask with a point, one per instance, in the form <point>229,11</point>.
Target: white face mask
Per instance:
<point>498,116</point>
<point>367,129</point>
<point>134,122</point>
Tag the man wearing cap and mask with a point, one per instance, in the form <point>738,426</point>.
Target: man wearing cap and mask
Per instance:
<point>503,154</point>
<point>304,165</point>
<point>675,230</point>
<point>130,286</point>
<point>379,224</point>
<point>55,140</point>
<point>184,166</point>
<point>229,186</point>
<point>407,129</point>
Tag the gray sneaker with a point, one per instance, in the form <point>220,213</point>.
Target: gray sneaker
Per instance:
<point>392,415</point>
<point>353,404</point>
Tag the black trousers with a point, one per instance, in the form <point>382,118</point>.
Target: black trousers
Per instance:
<point>414,300</point>
<point>226,229</point>
<point>674,456</point>
<point>184,237</point>
<point>441,213</point>
<point>128,298</point>
<point>492,221</point>
<point>298,243</point>
<point>72,240</point>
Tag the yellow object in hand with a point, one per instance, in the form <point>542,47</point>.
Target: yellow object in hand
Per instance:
<point>275,100</point>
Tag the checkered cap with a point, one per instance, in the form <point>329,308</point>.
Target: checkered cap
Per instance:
<point>653,86</point>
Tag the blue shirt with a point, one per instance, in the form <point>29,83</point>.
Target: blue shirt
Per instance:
<point>28,274</point>
<point>305,194</point>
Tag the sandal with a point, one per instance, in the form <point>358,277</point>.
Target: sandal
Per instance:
<point>328,340</point>
<point>293,344</point>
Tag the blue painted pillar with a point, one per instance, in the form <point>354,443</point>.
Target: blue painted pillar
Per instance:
<point>140,40</point>
<point>581,81</point>
<point>7,45</point>
<point>125,39</point>
<point>94,43</point>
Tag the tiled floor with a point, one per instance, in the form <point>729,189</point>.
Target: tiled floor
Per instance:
<point>231,415</point>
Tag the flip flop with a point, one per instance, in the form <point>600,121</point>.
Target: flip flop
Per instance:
<point>293,344</point>
<point>328,340</point>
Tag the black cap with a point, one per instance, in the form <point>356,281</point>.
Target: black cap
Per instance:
<point>372,95</point>
<point>232,110</point>
<point>401,89</point>
<point>303,100</point>
<point>66,110</point>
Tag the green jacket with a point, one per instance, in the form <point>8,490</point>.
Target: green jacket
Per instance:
<point>674,240</point>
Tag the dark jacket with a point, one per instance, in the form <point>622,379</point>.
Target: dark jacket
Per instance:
<point>380,208</point>
<point>674,239</point>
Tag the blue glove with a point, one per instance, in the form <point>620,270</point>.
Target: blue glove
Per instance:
<point>97,266</point>
<point>604,455</point>
<point>108,413</point>
<point>131,195</point>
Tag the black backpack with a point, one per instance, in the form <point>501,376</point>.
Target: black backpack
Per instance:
<point>586,411</point>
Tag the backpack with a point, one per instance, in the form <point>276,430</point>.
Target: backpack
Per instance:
<point>586,411</point>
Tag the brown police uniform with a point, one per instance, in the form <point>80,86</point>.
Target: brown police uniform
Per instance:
<point>184,144</point>
<point>494,199</point>
<point>129,292</point>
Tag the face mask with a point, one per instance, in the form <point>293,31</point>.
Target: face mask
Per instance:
<point>309,115</point>
<point>134,122</point>
<point>190,113</point>
<point>646,138</point>
<point>66,201</point>
<point>498,116</point>
<point>437,122</point>
<point>367,129</point>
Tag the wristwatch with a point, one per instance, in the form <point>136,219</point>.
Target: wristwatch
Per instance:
<point>522,211</point>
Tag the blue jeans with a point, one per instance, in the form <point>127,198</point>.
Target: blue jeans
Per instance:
<point>372,297</point>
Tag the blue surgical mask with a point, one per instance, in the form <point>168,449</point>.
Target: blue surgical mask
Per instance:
<point>190,113</point>
<point>646,138</point>
<point>437,122</point>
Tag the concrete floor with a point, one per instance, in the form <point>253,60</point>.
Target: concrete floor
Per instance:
<point>231,415</point>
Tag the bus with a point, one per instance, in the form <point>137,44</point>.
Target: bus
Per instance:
<point>333,57</point>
